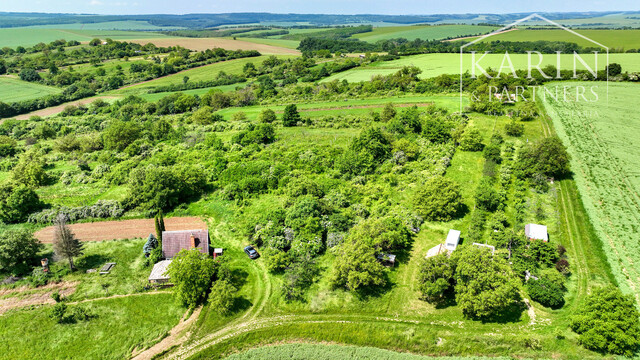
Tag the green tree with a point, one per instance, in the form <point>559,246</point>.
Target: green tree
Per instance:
<point>487,197</point>
<point>120,134</point>
<point>152,243</point>
<point>159,223</point>
<point>547,156</point>
<point>29,170</point>
<point>267,116</point>
<point>388,112</point>
<point>29,74</point>
<point>291,117</point>
<point>8,146</point>
<point>471,140</point>
<point>385,233</point>
<point>485,284</point>
<point>18,251</point>
<point>356,267</point>
<point>436,276</point>
<point>191,272</point>
<point>17,202</point>
<point>65,243</point>
<point>514,128</point>
<point>298,277</point>
<point>608,322</point>
<point>546,292</point>
<point>222,296</point>
<point>439,199</point>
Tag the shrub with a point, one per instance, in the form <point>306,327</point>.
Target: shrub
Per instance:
<point>191,272</point>
<point>608,322</point>
<point>513,128</point>
<point>119,134</point>
<point>546,292</point>
<point>17,202</point>
<point>18,251</point>
<point>356,267</point>
<point>267,116</point>
<point>436,276</point>
<point>291,117</point>
<point>221,296</point>
<point>58,312</point>
<point>471,140</point>
<point>439,199</point>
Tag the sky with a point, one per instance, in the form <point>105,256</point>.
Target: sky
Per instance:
<point>314,6</point>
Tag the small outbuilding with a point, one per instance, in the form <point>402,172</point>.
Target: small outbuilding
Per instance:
<point>453,239</point>
<point>490,247</point>
<point>536,232</point>
<point>159,275</point>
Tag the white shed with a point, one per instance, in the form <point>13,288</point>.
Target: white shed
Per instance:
<point>159,273</point>
<point>453,238</point>
<point>536,232</point>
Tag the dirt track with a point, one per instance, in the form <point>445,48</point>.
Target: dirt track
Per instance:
<point>125,229</point>
<point>200,44</point>
<point>53,110</point>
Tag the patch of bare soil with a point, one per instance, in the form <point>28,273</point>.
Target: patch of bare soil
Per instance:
<point>200,44</point>
<point>26,296</point>
<point>124,229</point>
<point>53,110</point>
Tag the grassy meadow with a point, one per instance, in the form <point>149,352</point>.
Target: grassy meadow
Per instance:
<point>117,326</point>
<point>27,36</point>
<point>601,138</point>
<point>613,39</point>
<point>13,89</point>
<point>422,32</point>
<point>436,64</point>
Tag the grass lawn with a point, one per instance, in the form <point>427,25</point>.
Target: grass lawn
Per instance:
<point>422,32</point>
<point>12,90</point>
<point>436,64</point>
<point>118,326</point>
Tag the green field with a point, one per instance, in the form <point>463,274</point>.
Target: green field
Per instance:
<point>12,90</point>
<point>613,39</point>
<point>437,64</point>
<point>13,37</point>
<point>203,73</point>
<point>422,32</point>
<point>107,25</point>
<point>332,352</point>
<point>119,325</point>
<point>602,140</point>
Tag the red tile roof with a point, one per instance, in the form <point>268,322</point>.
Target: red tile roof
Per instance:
<point>174,241</point>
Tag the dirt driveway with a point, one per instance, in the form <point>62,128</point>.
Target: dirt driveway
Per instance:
<point>124,229</point>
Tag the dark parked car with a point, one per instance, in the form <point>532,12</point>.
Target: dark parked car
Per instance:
<point>253,254</point>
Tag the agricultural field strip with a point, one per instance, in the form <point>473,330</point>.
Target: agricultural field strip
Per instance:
<point>582,138</point>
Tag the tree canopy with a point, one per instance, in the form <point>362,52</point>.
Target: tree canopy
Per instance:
<point>439,199</point>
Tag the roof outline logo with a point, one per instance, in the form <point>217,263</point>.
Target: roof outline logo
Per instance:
<point>518,22</point>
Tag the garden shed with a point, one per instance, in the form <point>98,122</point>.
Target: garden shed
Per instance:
<point>453,238</point>
<point>536,232</point>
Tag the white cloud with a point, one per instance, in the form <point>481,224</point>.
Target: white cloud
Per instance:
<point>95,2</point>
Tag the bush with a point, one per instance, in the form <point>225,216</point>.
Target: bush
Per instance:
<point>513,128</point>
<point>608,322</point>
<point>191,272</point>
<point>267,116</point>
<point>221,296</point>
<point>436,276</point>
<point>439,199</point>
<point>17,202</point>
<point>58,312</point>
<point>291,117</point>
<point>546,292</point>
<point>119,134</point>
<point>471,140</point>
<point>18,251</point>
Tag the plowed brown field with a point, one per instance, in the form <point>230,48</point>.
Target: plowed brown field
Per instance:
<point>125,229</point>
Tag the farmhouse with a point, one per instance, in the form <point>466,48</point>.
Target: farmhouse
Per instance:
<point>536,232</point>
<point>174,241</point>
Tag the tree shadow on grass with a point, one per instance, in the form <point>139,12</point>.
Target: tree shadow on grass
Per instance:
<point>240,304</point>
<point>374,291</point>
<point>92,261</point>
<point>448,300</point>
<point>510,315</point>
<point>238,278</point>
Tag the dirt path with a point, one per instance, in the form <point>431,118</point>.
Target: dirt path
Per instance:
<point>124,229</point>
<point>53,110</point>
<point>26,296</point>
<point>175,337</point>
